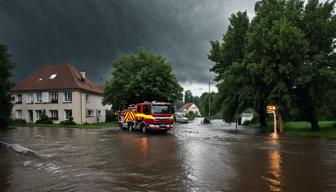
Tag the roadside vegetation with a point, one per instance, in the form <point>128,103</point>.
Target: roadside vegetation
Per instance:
<point>139,77</point>
<point>6,67</point>
<point>301,128</point>
<point>284,56</point>
<point>84,126</point>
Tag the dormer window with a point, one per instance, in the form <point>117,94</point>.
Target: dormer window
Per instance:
<point>53,76</point>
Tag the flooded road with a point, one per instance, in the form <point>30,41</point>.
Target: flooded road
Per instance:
<point>192,157</point>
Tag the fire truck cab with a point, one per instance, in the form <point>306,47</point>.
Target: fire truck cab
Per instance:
<point>154,116</point>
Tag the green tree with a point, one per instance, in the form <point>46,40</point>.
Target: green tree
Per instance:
<point>228,56</point>
<point>204,104</point>
<point>197,101</point>
<point>276,49</point>
<point>318,80</point>
<point>144,76</point>
<point>287,58</point>
<point>188,97</point>
<point>290,53</point>
<point>6,67</point>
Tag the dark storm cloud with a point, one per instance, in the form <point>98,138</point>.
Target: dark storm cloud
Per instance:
<point>91,33</point>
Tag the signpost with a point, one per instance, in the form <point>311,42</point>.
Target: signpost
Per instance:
<point>272,109</point>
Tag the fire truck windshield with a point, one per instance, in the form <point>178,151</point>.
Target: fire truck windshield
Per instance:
<point>161,109</point>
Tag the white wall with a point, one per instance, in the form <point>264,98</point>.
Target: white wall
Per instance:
<point>78,107</point>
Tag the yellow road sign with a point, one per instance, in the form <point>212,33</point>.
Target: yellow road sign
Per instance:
<point>271,108</point>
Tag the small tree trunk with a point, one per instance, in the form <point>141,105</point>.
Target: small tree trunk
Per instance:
<point>314,124</point>
<point>280,122</point>
<point>262,118</point>
<point>236,123</point>
<point>313,120</point>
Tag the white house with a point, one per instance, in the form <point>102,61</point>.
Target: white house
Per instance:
<point>190,107</point>
<point>63,92</point>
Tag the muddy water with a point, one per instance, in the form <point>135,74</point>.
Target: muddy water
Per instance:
<point>192,157</point>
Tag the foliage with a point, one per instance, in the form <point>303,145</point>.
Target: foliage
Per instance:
<point>206,120</point>
<point>190,115</point>
<point>6,67</point>
<point>177,104</point>
<point>197,101</point>
<point>188,97</point>
<point>83,126</point>
<point>285,56</point>
<point>44,119</point>
<point>228,56</point>
<point>110,116</point>
<point>68,122</point>
<point>144,76</point>
<point>204,104</point>
<point>17,122</point>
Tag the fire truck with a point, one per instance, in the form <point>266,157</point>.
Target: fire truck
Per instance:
<point>153,116</point>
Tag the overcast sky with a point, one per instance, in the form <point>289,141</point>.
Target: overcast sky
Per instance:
<point>91,33</point>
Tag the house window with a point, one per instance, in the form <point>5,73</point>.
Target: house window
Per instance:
<point>89,112</point>
<point>98,113</point>
<point>19,99</point>
<point>53,114</point>
<point>67,114</point>
<point>53,96</point>
<point>68,97</point>
<point>18,114</point>
<point>30,98</point>
<point>38,114</point>
<point>87,98</point>
<point>39,97</point>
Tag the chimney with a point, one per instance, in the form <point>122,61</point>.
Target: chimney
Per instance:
<point>83,74</point>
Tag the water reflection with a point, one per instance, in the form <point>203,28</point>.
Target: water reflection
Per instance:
<point>274,164</point>
<point>190,158</point>
<point>275,171</point>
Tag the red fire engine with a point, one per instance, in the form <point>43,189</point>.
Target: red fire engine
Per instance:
<point>154,116</point>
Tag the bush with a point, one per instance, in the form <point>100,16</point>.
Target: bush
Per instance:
<point>68,122</point>
<point>253,121</point>
<point>44,119</point>
<point>206,120</point>
<point>18,121</point>
<point>190,115</point>
<point>110,116</point>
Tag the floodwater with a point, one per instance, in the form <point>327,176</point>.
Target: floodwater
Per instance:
<point>192,157</point>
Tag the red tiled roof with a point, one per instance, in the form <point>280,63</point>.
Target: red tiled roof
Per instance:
<point>186,106</point>
<point>68,77</point>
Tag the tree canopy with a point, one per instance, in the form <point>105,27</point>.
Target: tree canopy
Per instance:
<point>188,97</point>
<point>6,67</point>
<point>138,77</point>
<point>285,56</point>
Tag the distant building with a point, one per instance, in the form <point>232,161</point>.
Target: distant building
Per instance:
<point>190,107</point>
<point>63,92</point>
<point>246,117</point>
